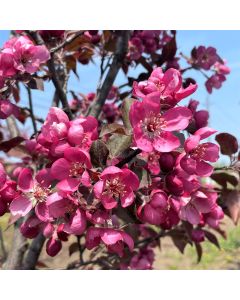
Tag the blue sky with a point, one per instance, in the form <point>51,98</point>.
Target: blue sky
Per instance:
<point>224,103</point>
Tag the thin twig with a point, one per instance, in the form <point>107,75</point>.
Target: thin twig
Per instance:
<point>67,41</point>
<point>121,50</point>
<point>31,109</point>
<point>128,158</point>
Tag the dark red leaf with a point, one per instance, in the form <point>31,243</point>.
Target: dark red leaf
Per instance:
<point>8,145</point>
<point>212,238</point>
<point>232,201</point>
<point>228,143</point>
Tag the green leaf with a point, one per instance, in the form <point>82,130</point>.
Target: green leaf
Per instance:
<point>125,111</point>
<point>99,153</point>
<point>118,143</point>
<point>112,128</point>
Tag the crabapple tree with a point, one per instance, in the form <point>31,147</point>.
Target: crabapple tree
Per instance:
<point>114,171</point>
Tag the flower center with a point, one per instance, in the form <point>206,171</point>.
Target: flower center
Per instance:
<point>114,187</point>
<point>153,125</point>
<point>40,193</point>
<point>198,152</point>
<point>76,169</point>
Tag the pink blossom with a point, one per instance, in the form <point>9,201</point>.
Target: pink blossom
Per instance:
<point>205,57</point>
<point>152,159</point>
<point>71,170</point>
<point>77,223</point>
<point>112,238</point>
<point>116,184</point>
<point>135,48</point>
<point>7,108</point>
<point>214,216</point>
<point>193,207</point>
<point>27,56</point>
<point>113,93</point>
<point>200,117</point>
<point>160,210</point>
<point>53,246</point>
<point>194,162</point>
<point>34,194</point>
<point>152,129</point>
<point>221,68</point>
<point>142,260</point>
<point>168,85</point>
<point>215,81</point>
<point>110,112</point>
<point>7,68</point>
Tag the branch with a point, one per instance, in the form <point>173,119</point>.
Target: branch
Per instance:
<point>58,86</point>
<point>31,110</point>
<point>34,253</point>
<point>121,51</point>
<point>128,158</point>
<point>19,245</point>
<point>67,41</point>
<point>150,239</point>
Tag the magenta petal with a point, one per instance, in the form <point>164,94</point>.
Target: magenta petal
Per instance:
<point>25,180</point>
<point>78,155</point>
<point>130,179</point>
<point>151,215</point>
<point>77,223</point>
<point>86,180</point>
<point>204,205</point>
<point>203,169</point>
<point>53,247</point>
<point>20,206</point>
<point>3,175</point>
<point>110,237</point>
<point>109,171</point>
<point>189,165</point>
<point>69,184</point>
<point>98,189</point>
<point>177,118</point>
<point>191,143</point>
<point>60,169</point>
<point>57,205</point>
<point>205,132</point>
<point>75,134</point>
<point>211,152</point>
<point>172,80</point>
<point>183,93</point>
<point>142,141</point>
<point>93,237</point>
<point>44,177</point>
<point>189,213</point>
<point>108,202</point>
<point>127,199</point>
<point>48,230</point>
<point>42,212</point>
<point>128,240</point>
<point>166,142</point>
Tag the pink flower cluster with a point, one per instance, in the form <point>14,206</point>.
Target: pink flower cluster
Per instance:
<point>18,56</point>
<point>60,192</point>
<point>146,41</point>
<point>177,194</point>
<point>208,59</point>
